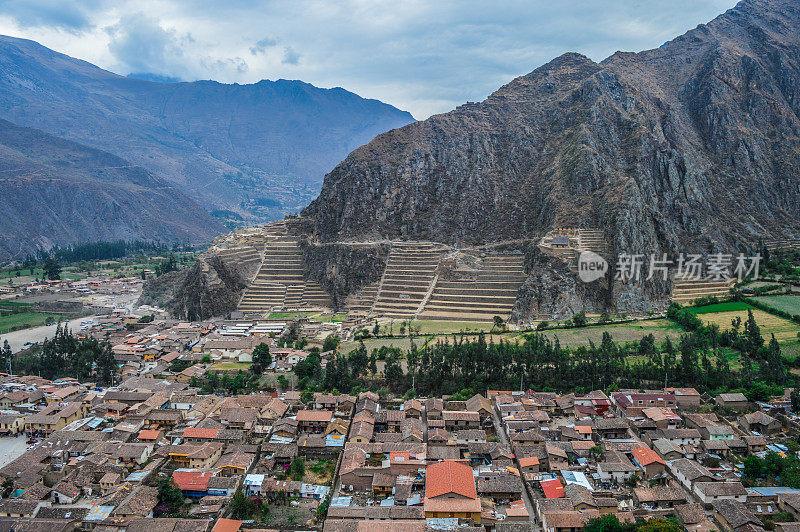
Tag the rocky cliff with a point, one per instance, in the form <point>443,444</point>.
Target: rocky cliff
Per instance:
<point>691,147</point>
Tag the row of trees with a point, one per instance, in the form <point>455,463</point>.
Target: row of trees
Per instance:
<point>700,358</point>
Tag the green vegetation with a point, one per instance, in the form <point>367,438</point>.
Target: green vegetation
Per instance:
<point>773,468</point>
<point>729,306</point>
<point>86,359</point>
<point>610,523</point>
<point>785,303</point>
<point>24,320</point>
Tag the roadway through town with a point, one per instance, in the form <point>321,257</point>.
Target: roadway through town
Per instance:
<point>501,434</point>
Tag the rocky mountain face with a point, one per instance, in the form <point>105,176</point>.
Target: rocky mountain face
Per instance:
<point>55,191</point>
<point>691,147</point>
<point>255,152</point>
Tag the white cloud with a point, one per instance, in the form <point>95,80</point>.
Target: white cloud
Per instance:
<point>423,56</point>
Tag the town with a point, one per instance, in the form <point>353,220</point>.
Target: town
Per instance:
<point>188,431</point>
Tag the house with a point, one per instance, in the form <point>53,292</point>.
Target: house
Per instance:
<point>668,450</point>
<point>710,492</point>
<point>632,404</point>
<point>659,497</point>
<point>735,516</point>
<point>733,401</point>
<point>108,482</point>
<point>685,397</point>
<point>193,484</point>
<point>616,467</point>
<point>450,491</point>
<point>461,419</point>
<point>664,418</point>
<point>567,520</point>
<point>434,407</point>
<point>194,456</point>
<point>610,428</point>
<point>648,461</point>
<point>689,472</point>
<point>11,424</point>
<point>139,503</point>
<point>313,421</point>
<point>760,422</point>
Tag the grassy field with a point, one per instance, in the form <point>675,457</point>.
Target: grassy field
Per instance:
<point>24,320</point>
<point>624,332</point>
<point>784,330</point>
<point>438,327</point>
<point>377,343</point>
<point>230,366</point>
<point>729,306</point>
<point>790,304</point>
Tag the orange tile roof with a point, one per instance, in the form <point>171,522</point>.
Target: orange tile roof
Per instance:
<point>314,415</point>
<point>192,480</point>
<point>194,432</point>
<point>450,476</point>
<point>227,525</point>
<point>529,461</point>
<point>583,429</point>
<point>646,456</point>
<point>149,434</point>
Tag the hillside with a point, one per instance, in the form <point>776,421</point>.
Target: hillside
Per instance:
<point>692,146</point>
<point>55,191</point>
<point>257,150</point>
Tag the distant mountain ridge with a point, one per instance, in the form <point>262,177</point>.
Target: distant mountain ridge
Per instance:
<point>56,191</point>
<point>259,150</point>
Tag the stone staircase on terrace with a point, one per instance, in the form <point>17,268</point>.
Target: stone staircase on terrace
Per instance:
<point>491,293</point>
<point>407,279</point>
<point>280,282</point>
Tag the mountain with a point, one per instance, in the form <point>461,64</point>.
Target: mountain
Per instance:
<point>691,146</point>
<point>56,191</point>
<point>255,151</point>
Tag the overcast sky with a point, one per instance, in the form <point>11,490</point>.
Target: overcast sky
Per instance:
<point>422,56</point>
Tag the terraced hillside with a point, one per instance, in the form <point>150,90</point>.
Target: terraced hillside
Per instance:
<point>490,293</point>
<point>280,282</point>
<point>685,292</point>
<point>408,278</point>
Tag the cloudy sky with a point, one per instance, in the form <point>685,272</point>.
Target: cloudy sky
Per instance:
<point>423,56</point>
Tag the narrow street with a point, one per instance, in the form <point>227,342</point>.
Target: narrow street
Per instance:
<point>501,435</point>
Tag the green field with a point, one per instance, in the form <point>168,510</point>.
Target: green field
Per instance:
<point>721,307</point>
<point>437,327</point>
<point>786,303</point>
<point>24,320</point>
<point>230,366</point>
<point>784,330</point>
<point>621,333</point>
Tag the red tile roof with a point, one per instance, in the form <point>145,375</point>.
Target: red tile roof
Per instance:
<point>552,488</point>
<point>194,432</point>
<point>227,525</point>
<point>450,476</point>
<point>149,434</point>
<point>646,456</point>
<point>192,480</point>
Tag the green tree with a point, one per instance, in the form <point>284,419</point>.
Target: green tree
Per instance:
<point>579,319</point>
<point>170,496</point>
<point>241,505</point>
<point>52,269</point>
<point>261,355</point>
<point>297,469</point>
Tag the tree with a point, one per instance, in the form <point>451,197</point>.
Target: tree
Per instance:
<point>261,355</point>
<point>499,324</point>
<point>795,398</point>
<point>331,342</point>
<point>51,268</point>
<point>241,506</point>
<point>753,467</point>
<point>297,469</point>
<point>377,329</point>
<point>579,319</point>
<point>170,496</point>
